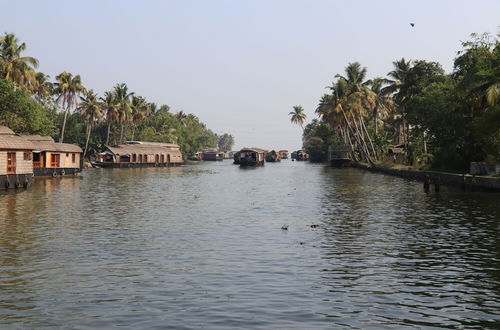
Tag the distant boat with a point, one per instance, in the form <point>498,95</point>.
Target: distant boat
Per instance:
<point>273,156</point>
<point>213,155</point>
<point>283,154</point>
<point>252,157</point>
<point>338,155</point>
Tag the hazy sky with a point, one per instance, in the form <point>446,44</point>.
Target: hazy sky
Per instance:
<point>239,66</point>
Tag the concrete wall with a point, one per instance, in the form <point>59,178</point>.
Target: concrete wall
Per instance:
<point>468,182</point>
<point>22,166</point>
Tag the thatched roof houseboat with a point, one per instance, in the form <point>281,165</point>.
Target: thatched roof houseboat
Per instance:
<point>338,155</point>
<point>252,156</point>
<point>213,155</point>
<point>273,156</point>
<point>301,155</point>
<point>284,154</point>
<point>52,158</point>
<point>237,158</point>
<point>140,154</point>
<point>16,167</point>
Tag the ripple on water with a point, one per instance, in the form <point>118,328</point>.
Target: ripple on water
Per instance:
<point>201,246</point>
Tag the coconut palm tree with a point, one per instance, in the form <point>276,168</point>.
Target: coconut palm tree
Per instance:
<point>297,116</point>
<point>123,106</point>
<point>91,109</point>
<point>140,111</point>
<point>109,109</point>
<point>383,102</point>
<point>67,88</point>
<point>44,87</point>
<point>19,69</point>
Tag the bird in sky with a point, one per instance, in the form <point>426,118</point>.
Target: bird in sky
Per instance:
<point>412,24</point>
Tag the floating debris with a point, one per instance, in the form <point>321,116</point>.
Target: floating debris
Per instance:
<point>284,227</point>
<point>314,225</point>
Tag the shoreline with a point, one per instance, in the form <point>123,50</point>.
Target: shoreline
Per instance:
<point>462,181</point>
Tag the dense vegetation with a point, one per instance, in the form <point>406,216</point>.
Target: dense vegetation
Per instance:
<point>68,111</point>
<point>442,121</point>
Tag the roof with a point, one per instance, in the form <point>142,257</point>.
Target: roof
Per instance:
<point>146,147</point>
<point>258,150</point>
<point>15,142</point>
<point>4,130</point>
<point>156,144</point>
<point>46,143</point>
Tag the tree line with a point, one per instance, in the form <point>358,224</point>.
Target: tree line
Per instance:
<point>30,103</point>
<point>441,121</point>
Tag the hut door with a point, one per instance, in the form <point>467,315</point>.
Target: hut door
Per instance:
<point>168,158</point>
<point>162,159</point>
<point>11,163</point>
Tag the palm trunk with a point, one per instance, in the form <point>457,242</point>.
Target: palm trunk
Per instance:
<point>107,136</point>
<point>61,139</point>
<point>89,128</point>
<point>121,134</point>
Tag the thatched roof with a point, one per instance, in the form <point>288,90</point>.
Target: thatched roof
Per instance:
<point>258,150</point>
<point>46,143</point>
<point>15,142</point>
<point>4,130</point>
<point>144,148</point>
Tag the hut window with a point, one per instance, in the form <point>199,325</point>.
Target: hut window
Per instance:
<point>145,158</point>
<point>140,158</point>
<point>27,156</point>
<point>67,154</point>
<point>11,163</point>
<point>157,158</point>
<point>73,158</point>
<point>134,158</point>
<point>54,160</point>
<point>162,159</point>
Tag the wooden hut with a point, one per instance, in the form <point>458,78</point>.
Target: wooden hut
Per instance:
<point>273,156</point>
<point>16,166</point>
<point>52,158</point>
<point>252,156</point>
<point>284,154</point>
<point>140,154</point>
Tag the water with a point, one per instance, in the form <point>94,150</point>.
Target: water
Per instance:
<point>201,246</point>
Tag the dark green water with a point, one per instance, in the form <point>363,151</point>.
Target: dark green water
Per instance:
<point>201,246</point>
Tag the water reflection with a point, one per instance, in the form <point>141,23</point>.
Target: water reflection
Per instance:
<point>202,246</point>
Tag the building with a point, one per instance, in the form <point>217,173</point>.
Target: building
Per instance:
<point>51,158</point>
<point>140,154</point>
<point>16,164</point>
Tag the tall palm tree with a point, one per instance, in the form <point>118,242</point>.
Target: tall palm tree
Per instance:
<point>383,102</point>
<point>67,88</point>
<point>44,87</point>
<point>297,116</point>
<point>140,111</point>
<point>109,108</point>
<point>123,106</point>
<point>91,109</point>
<point>19,69</point>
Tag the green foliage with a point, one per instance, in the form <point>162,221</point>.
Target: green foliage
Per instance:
<point>23,114</point>
<point>225,142</point>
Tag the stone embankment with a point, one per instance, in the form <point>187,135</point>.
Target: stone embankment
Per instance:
<point>463,181</point>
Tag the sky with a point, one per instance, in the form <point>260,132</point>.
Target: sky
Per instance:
<point>240,65</point>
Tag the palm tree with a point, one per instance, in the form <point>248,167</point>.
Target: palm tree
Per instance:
<point>109,107</point>
<point>44,87</point>
<point>123,106</point>
<point>68,88</point>
<point>91,109</point>
<point>297,116</point>
<point>14,67</point>
<point>383,102</point>
<point>140,111</point>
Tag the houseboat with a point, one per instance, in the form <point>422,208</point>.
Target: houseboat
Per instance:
<point>284,154</point>
<point>252,157</point>
<point>213,155</point>
<point>236,158</point>
<point>140,154</point>
<point>51,158</point>
<point>16,165</point>
<point>197,156</point>
<point>301,155</point>
<point>273,156</point>
<point>338,156</point>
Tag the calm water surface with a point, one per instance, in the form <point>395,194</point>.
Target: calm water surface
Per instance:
<point>201,246</point>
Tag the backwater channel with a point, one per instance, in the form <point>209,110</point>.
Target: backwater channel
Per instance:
<point>202,247</point>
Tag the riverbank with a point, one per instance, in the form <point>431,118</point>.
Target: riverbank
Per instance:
<point>462,181</point>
